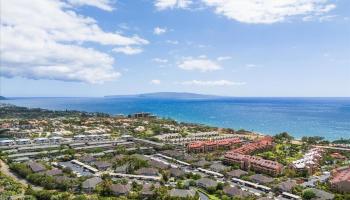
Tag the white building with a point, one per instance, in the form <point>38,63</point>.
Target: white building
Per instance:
<point>23,141</point>
<point>41,140</point>
<point>7,142</point>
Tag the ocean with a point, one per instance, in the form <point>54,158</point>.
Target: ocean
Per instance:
<point>326,117</point>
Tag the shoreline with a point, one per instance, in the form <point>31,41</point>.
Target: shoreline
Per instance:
<point>256,133</point>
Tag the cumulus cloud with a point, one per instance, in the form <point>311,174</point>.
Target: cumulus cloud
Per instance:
<point>46,39</point>
<point>159,30</point>
<point>155,81</point>
<point>268,11</point>
<point>212,83</point>
<point>159,60</point>
<point>170,4</point>
<point>201,64</point>
<point>102,4</point>
<point>175,42</point>
<point>127,50</point>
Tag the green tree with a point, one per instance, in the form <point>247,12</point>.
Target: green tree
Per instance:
<point>308,194</point>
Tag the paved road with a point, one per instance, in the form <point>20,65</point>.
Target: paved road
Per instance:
<point>335,148</point>
<point>5,169</point>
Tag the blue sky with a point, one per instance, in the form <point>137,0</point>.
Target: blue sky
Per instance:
<point>225,47</point>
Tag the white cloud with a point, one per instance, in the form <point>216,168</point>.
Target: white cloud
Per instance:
<point>155,81</point>
<point>268,11</point>
<point>159,60</point>
<point>102,4</point>
<point>200,64</point>
<point>175,42</point>
<point>252,66</point>
<point>45,39</point>
<point>159,30</point>
<point>170,4</point>
<point>127,50</point>
<point>222,58</point>
<point>212,83</point>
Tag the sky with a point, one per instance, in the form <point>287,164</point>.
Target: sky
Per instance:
<point>92,48</point>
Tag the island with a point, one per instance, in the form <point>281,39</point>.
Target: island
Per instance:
<point>77,155</point>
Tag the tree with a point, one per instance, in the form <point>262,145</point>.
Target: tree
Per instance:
<point>308,194</point>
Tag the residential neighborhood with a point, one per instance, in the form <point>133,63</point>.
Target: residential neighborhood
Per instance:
<point>76,155</point>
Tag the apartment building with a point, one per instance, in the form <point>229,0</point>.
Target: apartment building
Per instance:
<point>211,145</point>
<point>340,179</point>
<point>254,163</point>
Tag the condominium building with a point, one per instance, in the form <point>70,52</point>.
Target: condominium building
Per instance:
<point>309,162</point>
<point>262,144</point>
<point>254,163</point>
<point>340,179</point>
<point>211,145</point>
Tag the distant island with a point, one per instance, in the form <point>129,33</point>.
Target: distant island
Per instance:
<point>3,98</point>
<point>168,95</point>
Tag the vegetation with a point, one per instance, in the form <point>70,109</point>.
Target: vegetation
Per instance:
<point>308,194</point>
<point>8,187</point>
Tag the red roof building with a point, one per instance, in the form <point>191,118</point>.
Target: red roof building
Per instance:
<point>254,163</point>
<point>240,156</point>
<point>262,144</point>
<point>211,145</point>
<point>340,180</point>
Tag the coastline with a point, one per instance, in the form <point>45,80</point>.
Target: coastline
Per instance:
<point>304,117</point>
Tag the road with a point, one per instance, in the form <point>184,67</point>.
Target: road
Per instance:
<point>334,148</point>
<point>5,170</point>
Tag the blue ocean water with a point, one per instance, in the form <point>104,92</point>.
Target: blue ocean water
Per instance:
<point>327,117</point>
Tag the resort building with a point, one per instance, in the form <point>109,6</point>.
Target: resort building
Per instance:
<point>205,146</point>
<point>41,140</point>
<point>340,180</point>
<point>23,141</point>
<point>309,162</point>
<point>260,145</point>
<point>7,142</point>
<point>254,163</point>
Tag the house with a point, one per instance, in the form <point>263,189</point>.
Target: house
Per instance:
<point>120,189</point>
<point>23,141</point>
<point>261,179</point>
<point>287,186</point>
<point>41,140</point>
<point>101,165</point>
<point>158,164</point>
<point>90,184</point>
<point>206,183</point>
<point>218,167</point>
<point>340,179</point>
<point>36,167</point>
<point>121,169</point>
<point>177,173</point>
<point>87,159</point>
<point>53,172</point>
<point>235,191</point>
<point>7,142</point>
<point>181,193</point>
<point>148,189</point>
<point>147,171</point>
<point>236,173</point>
<point>321,195</point>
